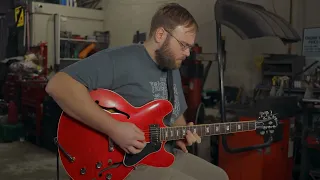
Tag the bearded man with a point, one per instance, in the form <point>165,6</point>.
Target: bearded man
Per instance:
<point>140,73</point>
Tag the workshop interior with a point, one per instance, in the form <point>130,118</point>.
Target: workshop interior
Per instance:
<point>254,72</point>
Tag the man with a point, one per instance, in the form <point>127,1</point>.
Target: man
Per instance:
<point>139,74</point>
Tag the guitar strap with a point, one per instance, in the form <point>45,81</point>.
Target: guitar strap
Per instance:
<point>170,92</point>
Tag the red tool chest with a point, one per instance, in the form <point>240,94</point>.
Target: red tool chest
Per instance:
<point>11,89</point>
<point>272,163</point>
<point>32,96</point>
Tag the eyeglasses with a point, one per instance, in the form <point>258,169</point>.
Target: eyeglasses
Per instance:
<point>182,45</point>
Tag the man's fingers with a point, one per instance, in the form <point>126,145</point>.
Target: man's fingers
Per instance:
<point>138,130</point>
<point>182,146</point>
<point>140,134</point>
<point>190,138</point>
<point>133,150</point>
<point>125,150</point>
<point>190,124</point>
<point>139,145</point>
<point>140,137</point>
<point>197,137</point>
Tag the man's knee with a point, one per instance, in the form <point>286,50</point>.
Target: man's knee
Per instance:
<point>219,173</point>
<point>148,172</point>
<point>197,167</point>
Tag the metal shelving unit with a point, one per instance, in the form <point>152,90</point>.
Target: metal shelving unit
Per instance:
<point>63,59</point>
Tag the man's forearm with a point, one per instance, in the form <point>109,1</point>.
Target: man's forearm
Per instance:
<point>181,121</point>
<point>74,99</point>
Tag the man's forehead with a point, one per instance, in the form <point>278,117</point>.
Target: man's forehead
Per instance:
<point>182,30</point>
<point>185,34</point>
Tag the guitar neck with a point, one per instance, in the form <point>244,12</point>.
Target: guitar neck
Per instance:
<point>179,132</point>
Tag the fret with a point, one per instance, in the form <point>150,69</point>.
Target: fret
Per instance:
<point>217,128</point>
<point>202,132</point>
<point>239,126</point>
<point>211,129</point>
<point>198,130</point>
<point>227,127</point>
<point>223,128</point>
<point>233,126</point>
<point>166,133</point>
<point>184,131</point>
<point>181,136</point>
<point>176,132</point>
<point>207,130</point>
<point>171,133</point>
<point>194,130</point>
<point>246,126</point>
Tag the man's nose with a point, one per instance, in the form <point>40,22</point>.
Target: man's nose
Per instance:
<point>186,52</point>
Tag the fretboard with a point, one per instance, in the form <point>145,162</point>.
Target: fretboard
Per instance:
<point>179,132</point>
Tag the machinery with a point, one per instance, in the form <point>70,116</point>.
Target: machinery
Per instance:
<point>261,157</point>
<point>251,156</point>
<point>194,74</point>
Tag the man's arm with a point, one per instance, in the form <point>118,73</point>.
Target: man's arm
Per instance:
<point>74,99</point>
<point>181,121</point>
<point>69,89</point>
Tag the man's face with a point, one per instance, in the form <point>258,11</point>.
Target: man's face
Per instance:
<point>175,48</point>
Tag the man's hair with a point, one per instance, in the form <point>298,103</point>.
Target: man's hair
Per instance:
<point>171,15</point>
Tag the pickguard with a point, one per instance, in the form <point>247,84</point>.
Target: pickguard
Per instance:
<point>132,159</point>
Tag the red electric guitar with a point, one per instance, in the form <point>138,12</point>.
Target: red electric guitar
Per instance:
<point>89,155</point>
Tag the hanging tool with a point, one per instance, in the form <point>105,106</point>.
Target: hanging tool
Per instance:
<point>283,80</point>
<point>273,88</point>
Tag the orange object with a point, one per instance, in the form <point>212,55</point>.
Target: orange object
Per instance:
<point>272,163</point>
<point>84,53</point>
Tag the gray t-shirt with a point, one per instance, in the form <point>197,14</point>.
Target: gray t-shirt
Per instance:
<point>130,72</point>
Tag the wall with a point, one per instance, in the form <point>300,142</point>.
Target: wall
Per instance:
<point>78,20</point>
<point>124,17</point>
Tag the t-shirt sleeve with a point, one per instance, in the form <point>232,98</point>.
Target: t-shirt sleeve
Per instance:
<point>95,71</point>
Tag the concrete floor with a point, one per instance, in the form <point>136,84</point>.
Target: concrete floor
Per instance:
<point>25,161</point>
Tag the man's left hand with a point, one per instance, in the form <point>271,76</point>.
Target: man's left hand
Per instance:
<point>190,139</point>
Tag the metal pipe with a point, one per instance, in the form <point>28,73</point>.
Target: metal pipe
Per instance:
<point>221,72</point>
<point>290,22</point>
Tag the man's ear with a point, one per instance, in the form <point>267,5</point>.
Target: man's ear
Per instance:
<point>160,35</point>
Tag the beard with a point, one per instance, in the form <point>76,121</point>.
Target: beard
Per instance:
<point>164,57</point>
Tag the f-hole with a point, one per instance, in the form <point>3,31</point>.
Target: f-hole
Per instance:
<point>112,110</point>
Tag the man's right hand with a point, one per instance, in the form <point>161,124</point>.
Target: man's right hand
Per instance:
<point>128,136</point>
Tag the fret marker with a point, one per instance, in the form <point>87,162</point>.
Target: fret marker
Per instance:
<point>207,129</point>
<point>177,133</point>
<point>194,130</point>
<point>227,128</point>
<point>217,128</point>
<point>239,126</point>
<point>171,133</point>
<point>166,134</point>
<point>183,132</point>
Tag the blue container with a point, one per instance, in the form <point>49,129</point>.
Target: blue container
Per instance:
<point>63,2</point>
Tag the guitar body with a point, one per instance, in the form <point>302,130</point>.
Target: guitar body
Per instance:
<point>96,156</point>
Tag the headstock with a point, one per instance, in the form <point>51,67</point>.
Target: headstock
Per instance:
<point>267,122</point>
